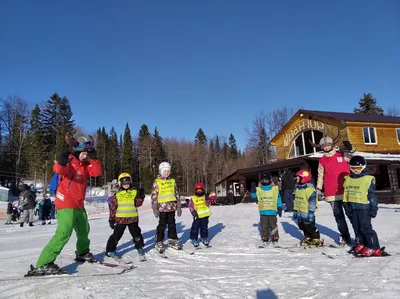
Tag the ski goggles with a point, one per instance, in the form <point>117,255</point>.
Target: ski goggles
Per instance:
<point>126,181</point>
<point>357,169</point>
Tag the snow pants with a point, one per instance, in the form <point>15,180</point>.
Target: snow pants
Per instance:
<point>288,195</point>
<point>269,227</point>
<point>199,224</point>
<point>309,229</point>
<point>119,230</point>
<point>365,234</point>
<point>339,208</point>
<point>68,220</point>
<point>27,216</point>
<point>164,219</point>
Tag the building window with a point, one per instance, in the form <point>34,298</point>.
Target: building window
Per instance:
<point>398,135</point>
<point>301,145</point>
<point>369,135</point>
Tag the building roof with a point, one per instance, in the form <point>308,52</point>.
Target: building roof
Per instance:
<point>4,188</point>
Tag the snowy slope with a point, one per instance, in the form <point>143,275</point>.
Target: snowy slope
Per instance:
<point>233,268</point>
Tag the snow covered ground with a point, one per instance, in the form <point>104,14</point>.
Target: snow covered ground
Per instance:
<point>233,268</point>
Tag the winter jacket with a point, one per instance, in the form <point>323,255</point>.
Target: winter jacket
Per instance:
<point>287,181</point>
<point>170,206</point>
<point>27,199</point>
<point>372,198</point>
<point>73,182</point>
<point>253,194</point>
<point>331,172</point>
<point>114,206</point>
<point>312,201</point>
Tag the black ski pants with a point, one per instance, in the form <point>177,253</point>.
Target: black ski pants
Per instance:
<point>119,230</point>
<point>309,229</point>
<point>164,219</point>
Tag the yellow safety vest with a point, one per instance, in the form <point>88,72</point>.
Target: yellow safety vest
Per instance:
<point>166,190</point>
<point>267,200</point>
<point>200,206</point>
<point>126,204</point>
<point>301,198</point>
<point>356,189</point>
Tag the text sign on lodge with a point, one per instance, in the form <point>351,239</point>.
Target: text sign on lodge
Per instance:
<point>306,124</point>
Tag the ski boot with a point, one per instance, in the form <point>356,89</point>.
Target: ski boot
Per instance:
<point>205,242</point>
<point>21,224</point>
<point>195,243</point>
<point>344,241</point>
<point>305,241</point>
<point>160,247</point>
<point>112,254</point>
<point>371,252</point>
<point>140,251</point>
<point>275,240</point>
<point>31,224</point>
<point>173,243</point>
<point>356,250</point>
<point>315,243</point>
<point>48,269</point>
<point>43,222</point>
<point>87,257</point>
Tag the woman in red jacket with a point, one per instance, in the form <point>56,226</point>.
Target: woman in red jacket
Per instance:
<point>74,170</point>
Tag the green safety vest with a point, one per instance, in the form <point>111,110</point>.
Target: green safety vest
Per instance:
<point>126,204</point>
<point>200,206</point>
<point>356,189</point>
<point>166,190</point>
<point>267,200</point>
<point>301,198</point>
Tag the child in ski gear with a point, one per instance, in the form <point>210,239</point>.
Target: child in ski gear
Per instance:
<point>27,200</point>
<point>9,212</point>
<point>124,214</point>
<point>304,209</point>
<point>74,170</point>
<point>199,207</point>
<point>164,201</point>
<point>332,169</point>
<point>45,209</point>
<point>269,205</point>
<point>359,193</point>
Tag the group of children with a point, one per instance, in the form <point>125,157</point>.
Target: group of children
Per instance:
<point>359,200</point>
<point>123,212</point>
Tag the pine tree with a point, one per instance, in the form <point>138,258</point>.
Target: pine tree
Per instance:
<point>200,138</point>
<point>368,105</point>
<point>36,149</point>
<point>112,165</point>
<point>128,163</point>
<point>158,149</point>
<point>146,159</point>
<point>233,147</point>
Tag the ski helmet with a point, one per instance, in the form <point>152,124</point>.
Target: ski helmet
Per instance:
<point>124,179</point>
<point>164,166</point>
<point>80,144</point>
<point>266,178</point>
<point>213,196</point>
<point>199,189</point>
<point>303,176</point>
<point>357,164</point>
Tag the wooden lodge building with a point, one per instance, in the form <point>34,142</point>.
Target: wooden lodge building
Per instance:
<point>376,137</point>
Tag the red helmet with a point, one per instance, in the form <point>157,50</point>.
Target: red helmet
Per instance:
<point>199,186</point>
<point>304,176</point>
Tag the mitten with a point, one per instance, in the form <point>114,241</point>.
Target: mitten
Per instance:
<point>294,215</point>
<point>195,215</point>
<point>179,212</point>
<point>253,187</point>
<point>311,217</point>
<point>373,213</point>
<point>92,154</point>
<point>112,223</point>
<point>280,212</point>
<point>320,195</point>
<point>63,159</point>
<point>141,193</point>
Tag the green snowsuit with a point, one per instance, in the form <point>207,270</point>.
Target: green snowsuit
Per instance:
<point>68,220</point>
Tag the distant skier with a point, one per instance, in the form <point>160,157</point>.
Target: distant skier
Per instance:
<point>269,205</point>
<point>359,193</point>
<point>305,204</point>
<point>124,214</point>
<point>164,204</point>
<point>74,169</point>
<point>199,207</point>
<point>27,200</point>
<point>45,207</point>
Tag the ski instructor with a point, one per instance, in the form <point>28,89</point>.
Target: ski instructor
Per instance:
<point>73,170</point>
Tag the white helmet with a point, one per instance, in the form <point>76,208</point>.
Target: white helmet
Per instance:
<point>164,165</point>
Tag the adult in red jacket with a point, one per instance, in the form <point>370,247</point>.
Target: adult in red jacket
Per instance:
<point>73,169</point>
<point>332,169</point>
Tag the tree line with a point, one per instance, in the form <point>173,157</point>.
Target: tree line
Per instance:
<point>31,139</point>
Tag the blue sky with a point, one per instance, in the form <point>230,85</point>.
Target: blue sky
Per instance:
<point>182,65</point>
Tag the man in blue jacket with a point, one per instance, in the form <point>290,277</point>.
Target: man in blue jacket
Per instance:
<point>269,205</point>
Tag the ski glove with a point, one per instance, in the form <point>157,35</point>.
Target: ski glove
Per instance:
<point>179,211</point>
<point>311,217</point>
<point>112,223</point>
<point>373,213</point>
<point>320,195</point>
<point>92,154</point>
<point>280,212</point>
<point>253,187</point>
<point>195,215</point>
<point>294,215</point>
<point>64,159</point>
<point>141,193</point>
